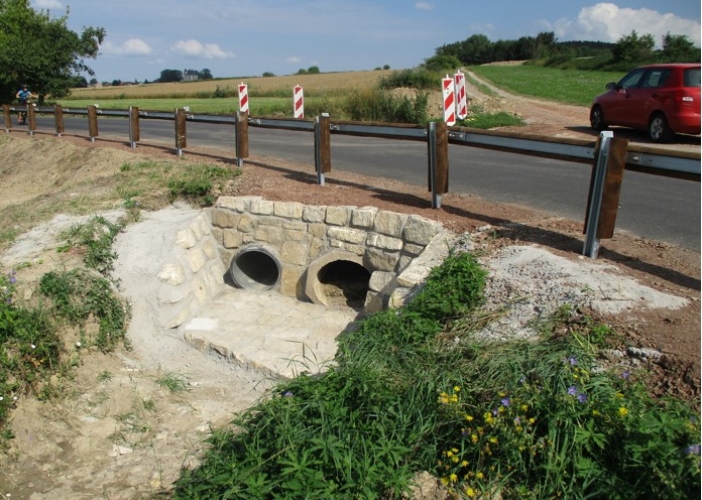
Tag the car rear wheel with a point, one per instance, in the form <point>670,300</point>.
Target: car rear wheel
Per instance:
<point>658,129</point>
<point>597,121</point>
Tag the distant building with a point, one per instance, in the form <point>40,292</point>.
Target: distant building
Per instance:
<point>190,75</point>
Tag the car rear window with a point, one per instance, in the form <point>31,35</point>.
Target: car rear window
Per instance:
<point>691,77</point>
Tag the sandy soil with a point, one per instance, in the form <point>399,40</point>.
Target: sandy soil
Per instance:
<point>124,436</point>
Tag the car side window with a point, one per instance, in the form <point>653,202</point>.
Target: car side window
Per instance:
<point>691,77</point>
<point>655,78</point>
<point>631,80</point>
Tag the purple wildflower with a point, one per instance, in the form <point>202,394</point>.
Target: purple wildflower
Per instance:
<point>582,397</point>
<point>572,390</point>
<point>573,360</point>
<point>288,394</point>
<point>693,449</point>
<point>505,402</point>
<point>625,374</point>
<point>494,412</point>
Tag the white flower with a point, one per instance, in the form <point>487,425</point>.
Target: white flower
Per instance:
<point>77,344</point>
<point>32,346</point>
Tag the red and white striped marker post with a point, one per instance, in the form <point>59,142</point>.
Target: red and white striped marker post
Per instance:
<point>461,100</point>
<point>298,102</point>
<point>449,101</point>
<point>243,98</point>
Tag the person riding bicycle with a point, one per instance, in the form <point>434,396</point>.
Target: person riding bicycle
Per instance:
<point>23,95</point>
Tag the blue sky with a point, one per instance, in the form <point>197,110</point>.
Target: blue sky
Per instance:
<point>235,38</point>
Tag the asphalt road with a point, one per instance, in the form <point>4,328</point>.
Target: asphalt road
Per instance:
<point>653,207</point>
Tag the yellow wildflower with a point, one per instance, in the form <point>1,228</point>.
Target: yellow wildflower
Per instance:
<point>474,438</point>
<point>479,475</point>
<point>454,478</point>
<point>456,389</point>
<point>470,492</point>
<point>464,463</point>
<point>469,418</point>
<point>493,440</point>
<point>623,412</point>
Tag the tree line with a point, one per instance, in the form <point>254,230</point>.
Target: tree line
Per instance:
<point>630,50</point>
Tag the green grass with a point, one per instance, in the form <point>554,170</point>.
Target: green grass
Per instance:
<point>414,390</point>
<point>566,86</point>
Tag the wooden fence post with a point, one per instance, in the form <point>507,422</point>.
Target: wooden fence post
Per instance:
<point>180,135</point>
<point>8,117</point>
<point>322,147</point>
<point>133,126</point>
<point>31,119</point>
<point>242,137</point>
<point>92,123</point>
<point>438,161</point>
<point>58,115</point>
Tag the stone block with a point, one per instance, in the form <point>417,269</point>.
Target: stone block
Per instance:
<point>337,216</point>
<point>363,217</point>
<point>225,218</point>
<point>313,213</point>
<point>375,302</point>
<point>294,253</point>
<point>218,235</point>
<point>261,207</point>
<point>378,260</point>
<point>348,235</point>
<point>389,223</point>
<point>237,203</point>
<point>208,246</point>
<point>247,224</point>
<point>419,230</point>
<point>289,210</point>
<point>348,247</point>
<point>380,280</point>
<point>270,234</point>
<point>185,238</point>
<point>317,230</point>
<point>172,274</point>
<point>232,239</point>
<point>384,242</point>
<point>290,281</point>
<point>196,259</point>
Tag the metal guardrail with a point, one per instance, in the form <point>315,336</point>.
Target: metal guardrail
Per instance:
<point>604,188</point>
<point>650,160</point>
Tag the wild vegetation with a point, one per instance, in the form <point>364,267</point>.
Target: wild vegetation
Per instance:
<point>416,390</point>
<point>78,310</point>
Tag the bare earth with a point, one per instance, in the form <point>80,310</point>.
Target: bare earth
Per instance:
<point>127,437</point>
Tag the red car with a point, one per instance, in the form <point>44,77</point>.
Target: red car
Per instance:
<point>663,99</point>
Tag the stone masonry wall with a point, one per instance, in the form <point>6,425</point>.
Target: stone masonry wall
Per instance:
<point>398,250</point>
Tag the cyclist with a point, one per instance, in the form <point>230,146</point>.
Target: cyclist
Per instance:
<point>23,95</point>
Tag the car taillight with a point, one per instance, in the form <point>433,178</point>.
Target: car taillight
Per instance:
<point>683,98</point>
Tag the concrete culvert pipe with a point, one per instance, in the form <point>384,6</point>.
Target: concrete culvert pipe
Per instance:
<point>255,268</point>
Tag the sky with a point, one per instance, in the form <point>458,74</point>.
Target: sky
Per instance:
<point>236,38</point>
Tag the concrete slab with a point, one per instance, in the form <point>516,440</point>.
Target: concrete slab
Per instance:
<point>268,331</point>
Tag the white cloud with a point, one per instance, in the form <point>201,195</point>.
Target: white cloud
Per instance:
<point>608,23</point>
<point>131,47</point>
<point>48,4</point>
<point>423,6</point>
<point>293,60</point>
<point>193,48</point>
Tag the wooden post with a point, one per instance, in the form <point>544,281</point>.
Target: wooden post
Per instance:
<point>616,163</point>
<point>8,117</point>
<point>324,146</point>
<point>92,123</point>
<point>133,126</point>
<point>242,137</point>
<point>58,116</point>
<point>31,119</point>
<point>180,136</point>
<point>442,158</point>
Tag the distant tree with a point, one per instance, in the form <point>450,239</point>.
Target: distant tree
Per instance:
<point>171,75</point>
<point>301,71</point>
<point>633,49</point>
<point>93,81</point>
<point>146,81</point>
<point>105,84</point>
<point>41,51</point>
<point>79,82</point>
<point>386,66</point>
<point>545,45</point>
<point>206,74</point>
<point>116,83</point>
<point>442,63</point>
<point>268,73</point>
<point>679,48</point>
<point>313,70</point>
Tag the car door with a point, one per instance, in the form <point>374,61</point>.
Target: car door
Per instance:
<point>618,111</point>
<point>649,95</point>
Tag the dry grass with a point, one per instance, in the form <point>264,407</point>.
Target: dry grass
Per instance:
<point>323,82</point>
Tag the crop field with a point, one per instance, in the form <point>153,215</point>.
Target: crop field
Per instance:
<point>313,84</point>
